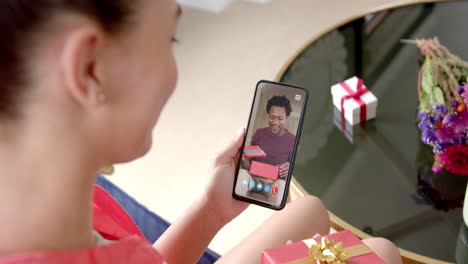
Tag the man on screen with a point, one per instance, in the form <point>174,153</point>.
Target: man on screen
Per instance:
<point>275,140</point>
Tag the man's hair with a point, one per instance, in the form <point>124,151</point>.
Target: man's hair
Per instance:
<point>280,101</point>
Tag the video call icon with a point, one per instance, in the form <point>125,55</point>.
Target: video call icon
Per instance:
<point>245,182</point>
<point>259,186</point>
<point>266,188</point>
<point>252,184</point>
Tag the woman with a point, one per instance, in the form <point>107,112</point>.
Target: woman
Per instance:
<point>82,85</point>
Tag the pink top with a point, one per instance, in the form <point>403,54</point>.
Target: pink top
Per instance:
<point>112,223</point>
<point>129,250</point>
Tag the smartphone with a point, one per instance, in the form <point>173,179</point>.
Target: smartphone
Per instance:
<point>269,149</point>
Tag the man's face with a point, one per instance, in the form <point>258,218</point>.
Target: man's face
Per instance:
<point>277,119</point>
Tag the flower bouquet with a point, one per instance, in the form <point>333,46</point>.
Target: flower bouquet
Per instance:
<point>443,99</point>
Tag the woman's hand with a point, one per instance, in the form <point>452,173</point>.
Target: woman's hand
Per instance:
<point>289,242</point>
<point>197,226</point>
<point>218,194</point>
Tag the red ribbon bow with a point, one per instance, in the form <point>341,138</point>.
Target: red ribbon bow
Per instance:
<point>356,95</point>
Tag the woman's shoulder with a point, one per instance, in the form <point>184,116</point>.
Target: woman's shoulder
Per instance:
<point>129,250</point>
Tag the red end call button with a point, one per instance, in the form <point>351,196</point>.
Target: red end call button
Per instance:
<point>274,190</point>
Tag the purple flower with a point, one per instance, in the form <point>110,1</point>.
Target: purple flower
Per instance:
<point>440,108</point>
<point>438,149</point>
<point>448,119</point>
<point>460,122</point>
<point>465,95</point>
<point>429,137</point>
<point>424,126</point>
<point>443,146</point>
<point>460,90</point>
<point>441,130</point>
<point>425,122</point>
<point>437,169</point>
<point>448,134</point>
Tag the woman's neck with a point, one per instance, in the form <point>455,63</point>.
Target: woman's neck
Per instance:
<point>46,192</point>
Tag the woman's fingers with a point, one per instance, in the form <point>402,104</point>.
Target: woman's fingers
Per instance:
<point>231,152</point>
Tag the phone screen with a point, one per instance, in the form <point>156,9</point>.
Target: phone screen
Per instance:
<point>268,153</point>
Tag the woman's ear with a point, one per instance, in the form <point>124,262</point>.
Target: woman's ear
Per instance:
<point>80,54</point>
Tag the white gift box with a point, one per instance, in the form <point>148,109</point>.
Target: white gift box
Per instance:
<point>351,107</point>
<point>354,134</point>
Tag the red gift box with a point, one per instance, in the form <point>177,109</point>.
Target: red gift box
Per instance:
<point>298,252</point>
<point>264,170</point>
<point>254,152</point>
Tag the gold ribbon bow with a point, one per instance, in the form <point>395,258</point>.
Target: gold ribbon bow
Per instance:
<point>330,252</point>
<point>109,170</point>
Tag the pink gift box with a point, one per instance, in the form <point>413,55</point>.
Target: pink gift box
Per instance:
<point>264,170</point>
<point>300,250</point>
<point>254,152</point>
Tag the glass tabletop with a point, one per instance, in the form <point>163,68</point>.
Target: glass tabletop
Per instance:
<point>379,178</point>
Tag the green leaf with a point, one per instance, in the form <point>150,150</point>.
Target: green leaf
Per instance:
<point>427,81</point>
<point>438,95</point>
<point>424,103</point>
<point>431,99</point>
<point>464,74</point>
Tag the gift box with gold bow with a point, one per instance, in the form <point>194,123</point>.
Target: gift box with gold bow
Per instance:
<point>338,248</point>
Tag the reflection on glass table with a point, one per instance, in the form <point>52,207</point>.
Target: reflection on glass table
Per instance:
<point>378,179</point>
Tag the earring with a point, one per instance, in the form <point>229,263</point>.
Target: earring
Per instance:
<point>101,97</point>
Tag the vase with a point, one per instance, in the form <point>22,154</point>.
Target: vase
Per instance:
<point>444,191</point>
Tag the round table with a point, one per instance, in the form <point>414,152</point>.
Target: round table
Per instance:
<point>374,179</point>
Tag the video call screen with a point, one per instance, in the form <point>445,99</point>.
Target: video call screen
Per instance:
<point>266,160</point>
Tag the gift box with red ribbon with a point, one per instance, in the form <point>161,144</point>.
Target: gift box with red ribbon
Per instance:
<point>356,103</point>
<point>338,248</point>
<point>354,134</point>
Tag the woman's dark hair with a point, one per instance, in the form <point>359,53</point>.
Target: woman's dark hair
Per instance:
<point>280,101</point>
<point>21,24</point>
